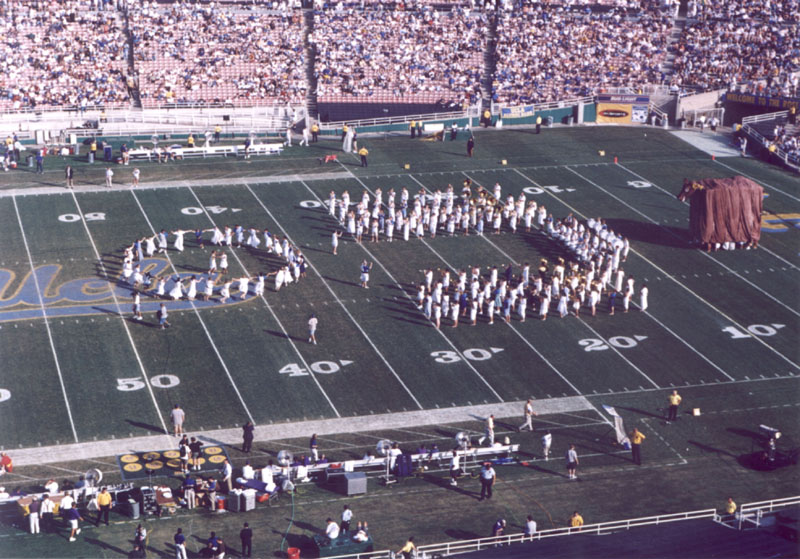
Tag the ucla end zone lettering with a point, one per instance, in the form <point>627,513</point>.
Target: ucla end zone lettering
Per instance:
<point>85,296</point>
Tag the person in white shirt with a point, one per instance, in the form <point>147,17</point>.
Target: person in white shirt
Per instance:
<point>51,486</point>
<point>347,517</point>
<point>530,526</point>
<point>547,441</point>
<point>247,471</point>
<point>109,177</point>
<point>332,529</point>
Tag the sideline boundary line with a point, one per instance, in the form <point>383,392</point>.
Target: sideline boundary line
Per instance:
<point>199,318</point>
<point>119,312</point>
<point>338,300</point>
<point>46,322</point>
<point>274,315</point>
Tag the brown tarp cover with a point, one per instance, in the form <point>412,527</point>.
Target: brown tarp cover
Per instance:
<point>724,210</point>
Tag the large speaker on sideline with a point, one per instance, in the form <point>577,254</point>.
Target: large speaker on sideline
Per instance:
<point>355,483</point>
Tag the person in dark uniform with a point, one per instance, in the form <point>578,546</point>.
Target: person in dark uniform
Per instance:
<point>247,436</point>
<point>69,173</point>
<point>453,131</point>
<point>246,535</point>
<point>470,146</point>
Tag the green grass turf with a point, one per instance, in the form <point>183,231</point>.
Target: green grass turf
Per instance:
<point>227,360</point>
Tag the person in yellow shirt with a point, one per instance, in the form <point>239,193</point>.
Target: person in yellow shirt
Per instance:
<point>487,118</point>
<point>190,141</point>
<point>104,502</point>
<point>637,438</point>
<point>314,132</point>
<point>730,506</point>
<point>409,549</point>
<point>538,123</point>
<point>345,128</point>
<point>217,133</point>
<point>363,153</point>
<point>576,521</point>
<point>413,128</point>
<point>674,402</point>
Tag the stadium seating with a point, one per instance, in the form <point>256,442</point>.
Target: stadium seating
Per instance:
<point>412,52</point>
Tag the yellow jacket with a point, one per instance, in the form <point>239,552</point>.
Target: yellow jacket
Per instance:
<point>363,152</point>
<point>104,499</point>
<point>637,437</point>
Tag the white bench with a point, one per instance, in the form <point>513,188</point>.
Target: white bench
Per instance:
<point>212,151</point>
<point>421,458</point>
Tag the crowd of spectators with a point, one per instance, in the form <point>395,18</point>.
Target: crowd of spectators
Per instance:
<point>61,52</point>
<point>550,52</point>
<point>195,53</point>
<point>412,53</point>
<point>733,42</point>
<point>76,52</point>
<point>787,142</point>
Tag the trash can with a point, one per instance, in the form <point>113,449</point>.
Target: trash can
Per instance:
<point>108,153</point>
<point>549,121</point>
<point>91,157</point>
<point>133,508</point>
<point>570,120</point>
<point>29,159</point>
<point>293,553</point>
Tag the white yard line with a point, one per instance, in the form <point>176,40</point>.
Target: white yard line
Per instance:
<point>46,322</point>
<point>669,276</point>
<point>403,291</point>
<point>653,221</point>
<point>199,318</point>
<point>124,322</point>
<point>274,315</point>
<point>761,247</point>
<point>338,300</point>
<point>795,198</point>
<point>584,323</point>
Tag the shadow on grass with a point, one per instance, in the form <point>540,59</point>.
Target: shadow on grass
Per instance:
<point>652,233</point>
<point>444,483</point>
<point>104,545</point>
<point>354,284</point>
<point>457,534</point>
<point>146,426</point>
<point>278,334</point>
<point>641,412</point>
<point>708,448</point>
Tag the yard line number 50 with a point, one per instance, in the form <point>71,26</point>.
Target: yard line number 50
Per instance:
<point>136,383</point>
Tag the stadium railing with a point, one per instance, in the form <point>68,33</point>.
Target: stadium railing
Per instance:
<point>764,117</point>
<point>466,546</point>
<point>752,513</point>
<point>749,128</point>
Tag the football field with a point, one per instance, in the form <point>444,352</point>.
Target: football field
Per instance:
<point>77,368</point>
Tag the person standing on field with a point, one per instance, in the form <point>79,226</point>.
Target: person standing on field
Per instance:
<point>528,416</point>
<point>178,416</point>
<point>312,329</point>
<point>674,402</point>
<point>572,462</point>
